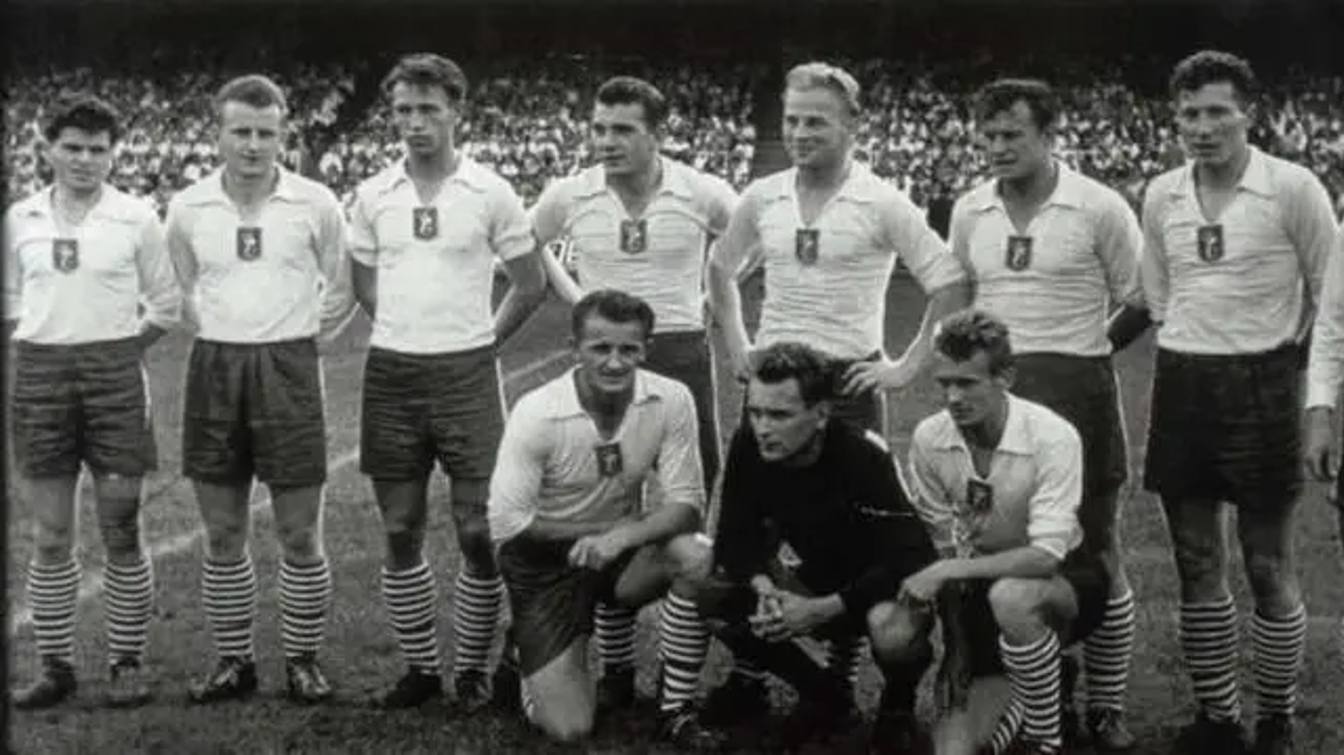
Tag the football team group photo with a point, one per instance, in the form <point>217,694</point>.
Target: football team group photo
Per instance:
<point>608,377</point>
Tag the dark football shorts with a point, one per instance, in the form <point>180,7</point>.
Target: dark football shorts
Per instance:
<point>551,601</point>
<point>1083,570</point>
<point>82,403</point>
<point>1225,427</point>
<point>1083,391</point>
<point>421,407</point>
<point>685,356</point>
<point>254,409</point>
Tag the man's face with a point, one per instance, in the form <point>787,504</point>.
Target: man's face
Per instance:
<point>80,160</point>
<point>1212,123</point>
<point>818,129</point>
<point>1015,146</point>
<point>783,423</point>
<point>621,138</point>
<point>970,392</point>
<point>424,117</point>
<point>250,138</point>
<point>609,353</point>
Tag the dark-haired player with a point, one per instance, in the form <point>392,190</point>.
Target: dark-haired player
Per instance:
<point>425,235</point>
<point>1050,252</point>
<point>572,527</point>
<point>999,480</point>
<point>1236,248</point>
<point>259,252</point>
<point>80,256</point>
<point>641,223</point>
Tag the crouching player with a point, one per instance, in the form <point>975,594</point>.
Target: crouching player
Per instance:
<point>566,512</point>
<point>831,494</point>
<point>998,480</point>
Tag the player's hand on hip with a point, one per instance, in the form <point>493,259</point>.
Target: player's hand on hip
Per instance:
<point>742,365</point>
<point>884,375</point>
<point>1318,447</point>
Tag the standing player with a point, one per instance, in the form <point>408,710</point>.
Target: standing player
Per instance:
<point>425,234</point>
<point>1236,247</point>
<point>999,479</point>
<point>833,496</point>
<point>1325,375</point>
<point>1049,251</point>
<point>830,232</point>
<point>259,252</point>
<point>641,223</point>
<point>79,258</point>
<point>566,512</point>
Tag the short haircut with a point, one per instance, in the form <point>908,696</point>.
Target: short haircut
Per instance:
<point>1000,95</point>
<point>1210,67</point>
<point>628,90</point>
<point>253,90</point>
<point>85,112</point>
<point>785,360</point>
<point>818,75</point>
<point>614,306</point>
<point>961,334</point>
<point>425,69</point>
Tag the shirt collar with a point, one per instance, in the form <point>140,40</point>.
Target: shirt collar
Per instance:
<point>1068,192</point>
<point>1016,438</point>
<point>468,174</point>
<point>593,182</point>
<point>41,204</point>
<point>1254,179</point>
<point>566,404</point>
<point>860,186</point>
<point>212,188</point>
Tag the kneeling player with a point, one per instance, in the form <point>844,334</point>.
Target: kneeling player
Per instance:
<point>832,495</point>
<point>565,510</point>
<point>998,479</point>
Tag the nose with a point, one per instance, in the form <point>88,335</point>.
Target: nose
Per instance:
<point>613,363</point>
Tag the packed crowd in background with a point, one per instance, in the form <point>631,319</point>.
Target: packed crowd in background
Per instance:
<point>527,121</point>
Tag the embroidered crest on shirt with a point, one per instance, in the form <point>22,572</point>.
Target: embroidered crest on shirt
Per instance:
<point>249,244</point>
<point>970,517</point>
<point>1017,256</point>
<point>65,254</point>
<point>609,461</point>
<point>807,245</point>
<point>1210,239</point>
<point>425,222</point>
<point>634,236</point>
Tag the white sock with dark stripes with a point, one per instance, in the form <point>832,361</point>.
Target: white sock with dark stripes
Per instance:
<point>683,643</point>
<point>1010,722</point>
<point>53,593</point>
<point>229,592</point>
<point>843,659</point>
<point>129,601</point>
<point>614,632</point>
<point>476,606</point>
<point>1208,633</point>
<point>409,597</point>
<point>1034,674</point>
<point>1279,643</point>
<point>305,596</point>
<point>1106,654</point>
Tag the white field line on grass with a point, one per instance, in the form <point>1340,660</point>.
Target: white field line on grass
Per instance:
<point>92,583</point>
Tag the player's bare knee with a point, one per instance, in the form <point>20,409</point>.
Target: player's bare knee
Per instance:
<point>1016,603</point>
<point>895,633</point>
<point>54,544</point>
<point>478,557</point>
<point>117,487</point>
<point>690,558</point>
<point>121,539</point>
<point>1271,579</point>
<point>570,727</point>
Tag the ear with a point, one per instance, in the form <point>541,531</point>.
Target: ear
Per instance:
<point>823,410</point>
<point>1005,379</point>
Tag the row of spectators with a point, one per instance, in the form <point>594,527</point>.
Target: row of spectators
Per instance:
<point>527,120</point>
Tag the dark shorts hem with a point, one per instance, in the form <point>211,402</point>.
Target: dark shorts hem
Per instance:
<point>1225,427</point>
<point>418,409</point>
<point>551,602</point>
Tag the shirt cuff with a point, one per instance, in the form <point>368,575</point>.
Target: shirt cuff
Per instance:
<point>1321,394</point>
<point>1055,546</point>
